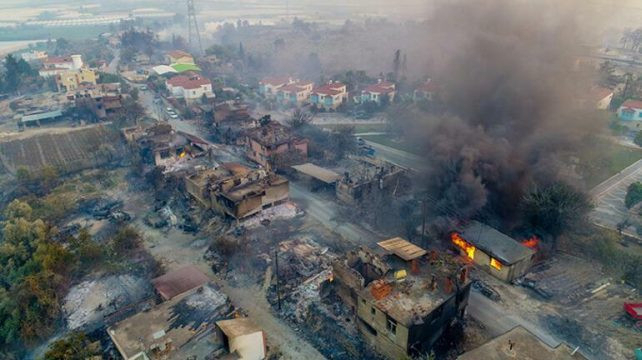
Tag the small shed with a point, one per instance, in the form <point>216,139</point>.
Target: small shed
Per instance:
<point>179,281</point>
<point>498,253</point>
<point>39,118</point>
<point>243,338</point>
<point>402,248</point>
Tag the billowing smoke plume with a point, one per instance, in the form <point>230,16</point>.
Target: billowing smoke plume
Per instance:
<point>510,83</point>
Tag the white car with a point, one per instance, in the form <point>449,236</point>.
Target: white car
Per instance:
<point>173,116</point>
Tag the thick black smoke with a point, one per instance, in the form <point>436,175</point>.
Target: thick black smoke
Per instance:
<point>511,85</point>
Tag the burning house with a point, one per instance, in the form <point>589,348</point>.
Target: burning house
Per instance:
<point>166,146</point>
<point>368,177</point>
<point>237,191</point>
<point>270,140</point>
<point>500,255</point>
<point>404,298</point>
<point>101,99</point>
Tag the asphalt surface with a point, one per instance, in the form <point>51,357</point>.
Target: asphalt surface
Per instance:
<point>398,157</point>
<point>609,198</point>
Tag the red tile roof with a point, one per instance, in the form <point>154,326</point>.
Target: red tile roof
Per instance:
<point>296,87</point>
<point>188,82</point>
<point>178,54</point>
<point>179,281</point>
<point>598,93</point>
<point>57,60</point>
<point>329,89</point>
<point>382,87</point>
<point>632,104</point>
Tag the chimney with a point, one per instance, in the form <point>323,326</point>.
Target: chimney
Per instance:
<point>463,275</point>
<point>414,266</point>
<point>433,283</point>
<point>448,285</point>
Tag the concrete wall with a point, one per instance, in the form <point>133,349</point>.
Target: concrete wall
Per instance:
<point>276,193</point>
<point>249,347</point>
<point>392,345</point>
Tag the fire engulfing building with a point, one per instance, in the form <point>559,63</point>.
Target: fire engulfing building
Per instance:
<point>235,190</point>
<point>500,255</point>
<point>405,298</point>
<point>164,146</point>
<point>369,177</point>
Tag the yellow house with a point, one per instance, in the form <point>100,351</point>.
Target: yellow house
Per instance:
<point>180,57</point>
<point>71,79</point>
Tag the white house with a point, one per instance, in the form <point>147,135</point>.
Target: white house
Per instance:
<point>190,87</point>
<point>269,86</point>
<point>376,92</point>
<point>295,94</point>
<point>630,110</point>
<point>56,65</point>
<point>329,96</point>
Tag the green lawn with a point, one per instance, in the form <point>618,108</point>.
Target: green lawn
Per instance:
<point>606,160</point>
<point>393,143</point>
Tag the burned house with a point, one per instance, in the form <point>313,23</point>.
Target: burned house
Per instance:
<point>271,140</point>
<point>368,177</point>
<point>232,112</point>
<point>100,99</point>
<point>236,190</point>
<point>176,282</point>
<point>404,298</point>
<point>497,253</point>
<point>519,343</point>
<point>180,328</point>
<point>161,145</point>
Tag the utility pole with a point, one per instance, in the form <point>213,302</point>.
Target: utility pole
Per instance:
<point>276,272</point>
<point>423,222</point>
<point>191,21</point>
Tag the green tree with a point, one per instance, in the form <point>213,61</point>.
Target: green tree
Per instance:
<point>633,194</point>
<point>126,239</point>
<point>638,138</point>
<point>75,346</point>
<point>555,209</point>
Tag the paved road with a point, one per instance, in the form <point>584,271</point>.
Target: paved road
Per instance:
<point>112,68</point>
<point>609,198</point>
<point>325,211</point>
<point>398,157</point>
<point>498,320</point>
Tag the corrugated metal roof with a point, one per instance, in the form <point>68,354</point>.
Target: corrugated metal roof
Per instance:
<point>317,172</point>
<point>496,244</point>
<point>42,116</point>
<point>402,248</point>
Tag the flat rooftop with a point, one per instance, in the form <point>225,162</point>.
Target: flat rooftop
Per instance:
<point>179,320</point>
<point>411,298</point>
<point>500,246</point>
<point>525,345</point>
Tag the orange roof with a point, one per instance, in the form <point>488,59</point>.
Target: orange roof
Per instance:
<point>57,60</point>
<point>632,104</point>
<point>179,54</point>
<point>296,87</point>
<point>188,82</point>
<point>330,89</point>
<point>382,87</point>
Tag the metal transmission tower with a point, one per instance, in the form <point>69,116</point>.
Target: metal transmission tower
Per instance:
<point>191,22</point>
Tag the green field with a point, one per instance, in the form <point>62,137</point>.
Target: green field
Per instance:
<point>605,160</point>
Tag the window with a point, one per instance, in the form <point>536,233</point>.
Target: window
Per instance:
<point>373,310</point>
<point>495,264</point>
<point>363,301</point>
<point>391,325</point>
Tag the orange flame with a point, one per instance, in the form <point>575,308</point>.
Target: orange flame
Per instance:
<point>463,245</point>
<point>531,242</point>
<point>495,263</point>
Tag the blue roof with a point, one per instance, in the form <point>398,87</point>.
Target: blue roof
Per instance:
<point>41,116</point>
